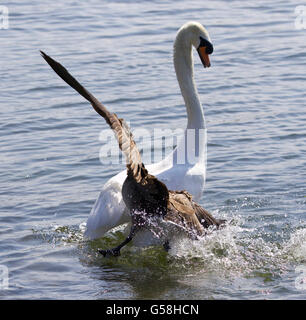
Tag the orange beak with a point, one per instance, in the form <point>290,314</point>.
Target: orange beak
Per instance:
<point>204,57</point>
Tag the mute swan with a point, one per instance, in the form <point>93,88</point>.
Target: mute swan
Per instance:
<point>148,200</point>
<point>109,209</point>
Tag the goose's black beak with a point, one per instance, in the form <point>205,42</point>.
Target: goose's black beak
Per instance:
<point>205,49</point>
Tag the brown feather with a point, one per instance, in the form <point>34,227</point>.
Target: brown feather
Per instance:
<point>120,128</point>
<point>189,215</point>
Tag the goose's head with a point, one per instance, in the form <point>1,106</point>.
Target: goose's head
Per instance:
<point>194,34</point>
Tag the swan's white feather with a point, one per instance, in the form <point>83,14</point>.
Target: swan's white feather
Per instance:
<point>109,210</point>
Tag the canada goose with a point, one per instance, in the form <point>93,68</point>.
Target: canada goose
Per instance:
<point>145,196</point>
<point>109,209</point>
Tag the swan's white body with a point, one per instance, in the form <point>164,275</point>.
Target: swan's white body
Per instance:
<point>109,210</point>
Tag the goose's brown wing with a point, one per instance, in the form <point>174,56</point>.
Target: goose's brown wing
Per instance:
<point>205,218</point>
<point>182,213</point>
<point>120,128</point>
<point>189,215</point>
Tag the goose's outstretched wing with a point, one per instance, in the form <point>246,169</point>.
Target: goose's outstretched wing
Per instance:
<point>119,126</point>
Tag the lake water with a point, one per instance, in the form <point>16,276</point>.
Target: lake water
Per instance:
<point>50,173</point>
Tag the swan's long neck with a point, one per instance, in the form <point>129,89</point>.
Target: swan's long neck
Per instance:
<point>183,63</point>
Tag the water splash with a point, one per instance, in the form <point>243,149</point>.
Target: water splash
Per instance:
<point>59,234</point>
<point>296,246</point>
<point>237,250</point>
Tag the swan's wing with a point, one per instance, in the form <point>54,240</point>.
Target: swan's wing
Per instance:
<point>119,126</point>
<point>108,211</point>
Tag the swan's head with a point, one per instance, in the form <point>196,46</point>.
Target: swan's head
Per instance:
<point>194,34</point>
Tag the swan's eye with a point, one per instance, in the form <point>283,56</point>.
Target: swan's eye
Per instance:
<point>209,49</point>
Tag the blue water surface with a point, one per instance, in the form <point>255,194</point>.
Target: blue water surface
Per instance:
<point>50,172</point>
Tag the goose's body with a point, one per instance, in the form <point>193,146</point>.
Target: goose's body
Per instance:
<point>109,209</point>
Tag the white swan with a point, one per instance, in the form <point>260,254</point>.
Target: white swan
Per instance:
<point>109,209</point>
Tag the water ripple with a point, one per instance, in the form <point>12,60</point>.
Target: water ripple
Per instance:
<point>254,100</point>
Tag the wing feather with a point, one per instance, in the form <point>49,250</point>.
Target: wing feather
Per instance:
<point>120,128</point>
